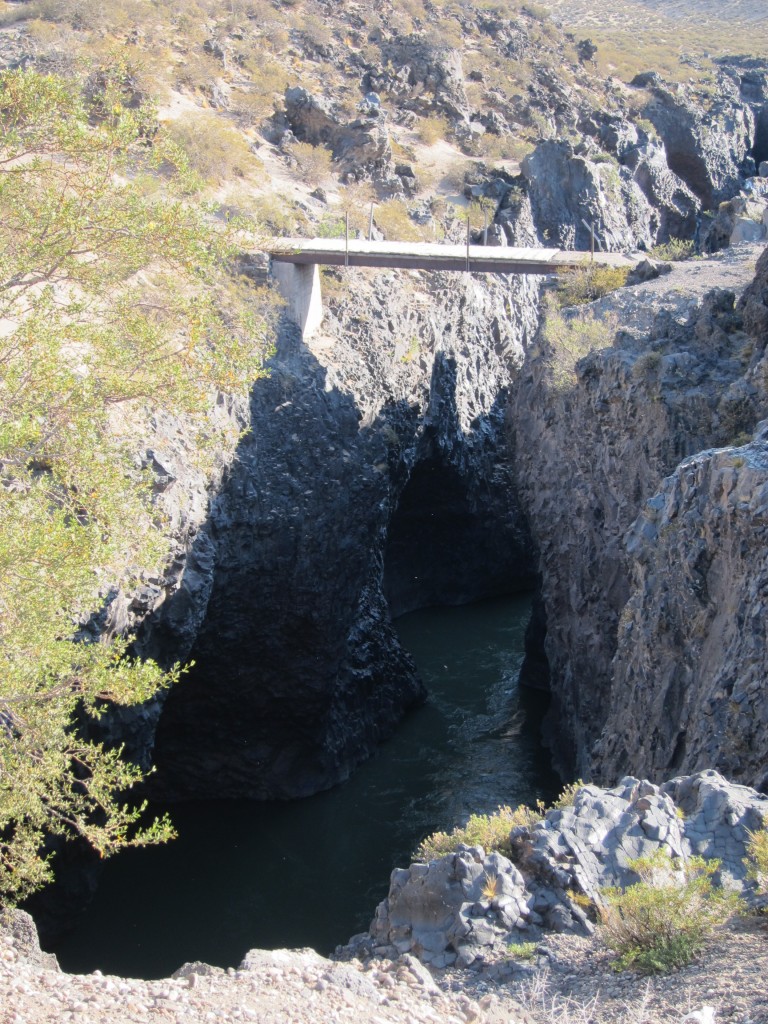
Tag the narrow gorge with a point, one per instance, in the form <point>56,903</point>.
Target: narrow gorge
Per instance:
<point>588,469</point>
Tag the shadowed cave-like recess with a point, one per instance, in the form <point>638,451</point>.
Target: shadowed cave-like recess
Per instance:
<point>443,550</point>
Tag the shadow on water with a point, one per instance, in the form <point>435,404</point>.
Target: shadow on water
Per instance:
<point>310,872</point>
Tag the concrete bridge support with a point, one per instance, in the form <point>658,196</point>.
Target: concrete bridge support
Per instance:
<point>299,284</point>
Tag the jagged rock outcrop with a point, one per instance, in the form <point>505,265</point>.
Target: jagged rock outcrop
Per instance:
<point>712,150</point>
<point>590,451</point>
<point>392,420</point>
<point>420,77</point>
<point>361,145</point>
<point>692,656</point>
<point>570,192</point>
<point>457,907</point>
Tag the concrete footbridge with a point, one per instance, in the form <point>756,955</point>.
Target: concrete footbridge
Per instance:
<point>295,264</point>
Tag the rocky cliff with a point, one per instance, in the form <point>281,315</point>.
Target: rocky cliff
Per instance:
<point>655,626</point>
<point>375,477</point>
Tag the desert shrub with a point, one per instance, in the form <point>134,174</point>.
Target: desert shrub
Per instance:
<point>591,282</point>
<point>214,148</point>
<point>267,82</point>
<point>314,162</point>
<point>432,129</point>
<point>491,831</point>
<point>198,71</point>
<point>571,338</point>
<point>315,30</point>
<point>331,226</point>
<point>392,218</point>
<point>673,250</point>
<point>647,365</point>
<point>355,199</point>
<point>567,796</point>
<point>757,858</point>
<point>500,147</point>
<point>276,215</point>
<point>662,921</point>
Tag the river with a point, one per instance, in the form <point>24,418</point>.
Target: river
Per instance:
<point>310,872</point>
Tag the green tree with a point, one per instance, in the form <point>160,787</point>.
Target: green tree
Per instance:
<point>114,302</point>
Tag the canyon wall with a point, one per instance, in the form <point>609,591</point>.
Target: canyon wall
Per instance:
<point>375,477</point>
<point>655,626</point>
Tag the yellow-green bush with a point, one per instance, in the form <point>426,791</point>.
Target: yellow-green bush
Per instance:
<point>215,149</point>
<point>491,831</point>
<point>662,921</point>
<point>673,250</point>
<point>570,339</point>
<point>591,282</point>
<point>392,218</point>
<point>432,129</point>
<point>757,859</point>
<point>314,162</point>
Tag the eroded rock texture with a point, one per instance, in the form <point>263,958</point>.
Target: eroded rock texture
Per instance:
<point>648,640</point>
<point>376,477</point>
<point>456,908</point>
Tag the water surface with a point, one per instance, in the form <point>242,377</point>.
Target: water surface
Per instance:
<point>310,872</point>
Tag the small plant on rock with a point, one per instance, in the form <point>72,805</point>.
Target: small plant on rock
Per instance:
<point>491,831</point>
<point>589,283</point>
<point>674,250</point>
<point>757,859</point>
<point>313,162</point>
<point>662,921</point>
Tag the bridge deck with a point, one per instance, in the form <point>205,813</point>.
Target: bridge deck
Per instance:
<point>434,256</point>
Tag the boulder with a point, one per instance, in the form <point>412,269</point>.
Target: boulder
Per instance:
<point>464,901</point>
<point>459,906</point>
<point>747,230</point>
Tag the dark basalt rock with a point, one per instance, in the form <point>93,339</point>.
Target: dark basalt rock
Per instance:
<point>359,492</point>
<point>649,632</point>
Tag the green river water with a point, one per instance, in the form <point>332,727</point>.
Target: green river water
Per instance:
<point>310,872</point>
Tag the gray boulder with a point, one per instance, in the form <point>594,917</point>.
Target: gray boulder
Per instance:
<point>361,145</point>
<point>568,191</point>
<point>452,906</point>
<point>460,906</point>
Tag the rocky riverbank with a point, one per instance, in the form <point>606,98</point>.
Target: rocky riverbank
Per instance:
<point>476,968</point>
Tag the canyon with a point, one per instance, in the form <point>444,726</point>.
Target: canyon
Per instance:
<point>448,437</point>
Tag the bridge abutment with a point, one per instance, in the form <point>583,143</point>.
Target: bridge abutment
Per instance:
<point>299,284</point>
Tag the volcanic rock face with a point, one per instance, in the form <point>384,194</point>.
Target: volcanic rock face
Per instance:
<point>456,907</point>
<point>395,419</point>
<point>692,657</point>
<point>643,654</point>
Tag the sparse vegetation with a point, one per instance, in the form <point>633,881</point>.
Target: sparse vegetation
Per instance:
<point>392,218</point>
<point>491,831</point>
<point>432,129</point>
<point>570,338</point>
<point>577,287</point>
<point>314,162</point>
<point>662,921</point>
<point>673,250</point>
<point>214,149</point>
<point>757,859</point>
